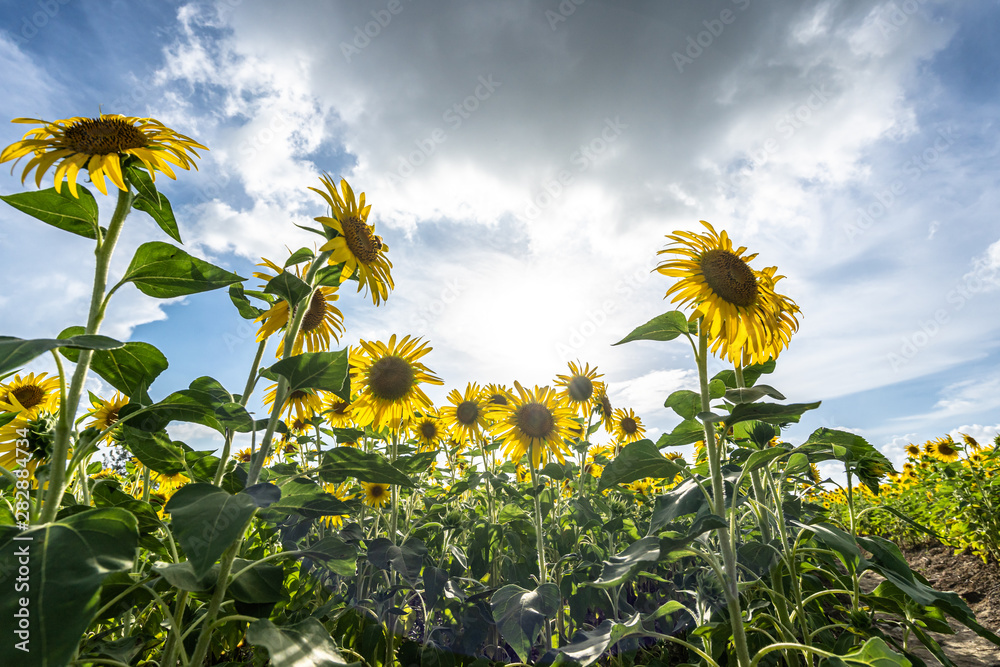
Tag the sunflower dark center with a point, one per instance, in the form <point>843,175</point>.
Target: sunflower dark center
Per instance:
<point>340,407</point>
<point>729,277</point>
<point>297,395</point>
<point>629,426</point>
<point>581,388</point>
<point>428,431</point>
<point>498,399</point>
<point>377,491</point>
<point>605,403</point>
<point>317,311</point>
<point>29,395</point>
<point>391,378</point>
<point>946,450</point>
<point>535,420</point>
<point>104,136</point>
<point>467,412</point>
<point>361,240</point>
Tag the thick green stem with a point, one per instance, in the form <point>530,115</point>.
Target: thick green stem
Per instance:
<point>539,539</point>
<point>718,491</point>
<point>67,411</point>
<point>204,639</point>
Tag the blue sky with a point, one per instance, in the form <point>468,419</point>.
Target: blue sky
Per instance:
<point>524,161</point>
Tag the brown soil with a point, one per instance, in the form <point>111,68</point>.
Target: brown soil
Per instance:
<point>977,583</point>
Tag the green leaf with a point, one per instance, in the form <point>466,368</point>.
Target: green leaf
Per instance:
<point>304,644</point>
<point>246,309</point>
<point>299,256</point>
<point>206,520</point>
<point>289,287</point>
<point>684,402</point>
<point>16,352</point>
<point>77,216</point>
<point>751,394</point>
<point>305,498</point>
<point>155,450</point>
<point>637,460</point>
<point>181,576</point>
<point>331,275</point>
<point>685,498</point>
<point>875,653</point>
<point>662,327</point>
<point>130,368</point>
<point>336,554</point>
<point>340,463</point>
<point>261,584</point>
<point>688,431</point>
<point>520,614</point>
<point>325,371</point>
<point>67,562</point>
<point>772,413</point>
<point>622,566</point>
<point>840,541</point>
<point>716,389</point>
<point>750,374</point>
<point>163,271</point>
<point>151,201</point>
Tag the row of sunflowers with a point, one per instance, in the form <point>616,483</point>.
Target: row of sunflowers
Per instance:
<point>366,526</point>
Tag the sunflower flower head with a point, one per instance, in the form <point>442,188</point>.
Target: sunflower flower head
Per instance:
<point>746,319</point>
<point>466,413</point>
<point>427,430</point>
<point>944,449</point>
<point>38,430</point>
<point>376,494</point>
<point>913,451</point>
<point>535,423</point>
<point>29,395</point>
<point>390,375</point>
<point>338,491</point>
<point>105,413</point>
<point>321,321</point>
<point>628,427</point>
<point>353,242</point>
<point>100,145</point>
<point>581,387</point>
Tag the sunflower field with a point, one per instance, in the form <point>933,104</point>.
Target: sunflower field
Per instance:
<point>366,526</point>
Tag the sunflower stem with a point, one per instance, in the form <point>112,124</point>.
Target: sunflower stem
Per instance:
<point>539,538</point>
<point>730,585</point>
<point>67,411</point>
<point>251,381</point>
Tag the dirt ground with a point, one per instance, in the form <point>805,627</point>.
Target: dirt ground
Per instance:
<point>977,583</point>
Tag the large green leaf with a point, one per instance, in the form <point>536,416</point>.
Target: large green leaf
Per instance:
<point>66,563</point>
<point>688,431</point>
<point>16,352</point>
<point>206,520</point>
<point>163,271</point>
<point>685,498</point>
<point>343,462</point>
<point>304,644</point>
<point>684,402</point>
<point>325,371</point>
<point>520,614</point>
<point>152,202</point>
<point>622,566</point>
<point>771,413</point>
<point>246,309</point>
<point>62,210</point>
<point>305,498</point>
<point>888,561</point>
<point>130,368</point>
<point>750,374</point>
<point>336,554</point>
<point>667,326</point>
<point>636,461</point>
<point>289,287</point>
<point>751,394</point>
<point>874,653</point>
<point>154,450</point>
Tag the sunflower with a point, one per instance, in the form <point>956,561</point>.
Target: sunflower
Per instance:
<point>302,402</point>
<point>522,472</point>
<point>355,245</point>
<point>944,449</point>
<point>105,413</point>
<point>337,412</point>
<point>814,474</point>
<point>338,491</point>
<point>466,416</point>
<point>27,441</point>
<point>427,430</point>
<point>168,484</point>
<point>535,422</point>
<point>603,409</point>
<point>98,145</point>
<point>376,494</point>
<point>972,443</point>
<point>29,395</point>
<point>496,397</point>
<point>743,315</point>
<point>913,451</point>
<point>245,456</point>
<point>390,376</point>
<point>628,427</point>
<point>581,387</point>
<point>321,322</point>
<point>643,487</point>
